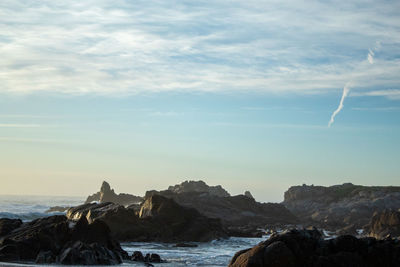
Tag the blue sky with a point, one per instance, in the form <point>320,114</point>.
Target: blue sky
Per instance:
<point>150,93</point>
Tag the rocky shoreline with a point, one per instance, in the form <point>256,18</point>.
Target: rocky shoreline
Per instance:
<point>90,233</point>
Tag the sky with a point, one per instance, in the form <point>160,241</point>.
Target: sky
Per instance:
<point>252,95</point>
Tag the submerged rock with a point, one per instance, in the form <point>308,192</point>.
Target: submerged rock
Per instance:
<point>106,194</point>
<point>159,219</point>
<point>297,248</point>
<point>55,240</point>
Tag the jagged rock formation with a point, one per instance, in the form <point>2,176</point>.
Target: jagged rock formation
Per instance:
<point>345,205</point>
<point>56,240</point>
<point>231,210</point>
<point>199,186</point>
<point>106,194</point>
<point>8,225</point>
<point>298,248</point>
<point>386,223</point>
<point>159,219</point>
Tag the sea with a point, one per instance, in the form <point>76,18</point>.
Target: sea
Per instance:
<point>214,253</point>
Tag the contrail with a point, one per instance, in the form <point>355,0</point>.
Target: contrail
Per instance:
<point>346,88</point>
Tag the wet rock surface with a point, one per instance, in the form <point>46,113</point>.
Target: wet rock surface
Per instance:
<point>56,240</point>
<point>297,248</point>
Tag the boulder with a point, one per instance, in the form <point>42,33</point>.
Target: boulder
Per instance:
<point>385,223</point>
<point>159,219</point>
<point>54,239</point>
<point>106,194</point>
<point>307,248</point>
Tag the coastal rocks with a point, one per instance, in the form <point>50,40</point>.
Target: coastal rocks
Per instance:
<point>159,219</point>
<point>54,239</point>
<point>199,186</point>
<point>150,257</point>
<point>8,225</point>
<point>233,210</point>
<point>307,248</point>
<point>106,194</point>
<point>386,223</point>
<point>57,209</point>
<point>340,206</point>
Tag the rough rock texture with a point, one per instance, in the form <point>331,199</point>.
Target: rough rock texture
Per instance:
<point>301,248</point>
<point>232,210</point>
<point>106,194</point>
<point>56,240</point>
<point>159,219</point>
<point>8,225</point>
<point>340,205</point>
<point>385,223</point>
<point>199,186</point>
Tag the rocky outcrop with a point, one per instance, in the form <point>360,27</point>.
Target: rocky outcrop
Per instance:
<point>106,194</point>
<point>159,219</point>
<point>56,240</point>
<point>200,187</point>
<point>57,209</point>
<point>298,248</point>
<point>8,225</point>
<point>232,210</point>
<point>345,205</point>
<point>386,223</point>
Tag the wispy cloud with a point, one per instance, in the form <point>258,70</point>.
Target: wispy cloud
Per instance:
<point>129,47</point>
<point>17,125</point>
<point>393,94</point>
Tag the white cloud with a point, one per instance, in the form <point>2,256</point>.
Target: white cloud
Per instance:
<point>389,93</point>
<point>129,47</point>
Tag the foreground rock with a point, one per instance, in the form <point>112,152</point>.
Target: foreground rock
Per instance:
<point>231,210</point>
<point>159,219</point>
<point>340,206</point>
<point>298,248</point>
<point>56,240</point>
<point>8,225</point>
<point>106,194</point>
<point>386,223</point>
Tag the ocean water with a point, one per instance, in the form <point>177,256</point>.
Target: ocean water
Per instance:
<point>214,253</point>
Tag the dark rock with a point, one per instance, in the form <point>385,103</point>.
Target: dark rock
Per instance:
<point>54,239</point>
<point>385,223</point>
<point>200,187</point>
<point>248,194</point>
<point>340,206</point>
<point>137,256</point>
<point>8,225</point>
<point>159,219</point>
<point>106,194</point>
<point>307,248</point>
<point>244,231</point>
<point>232,210</point>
